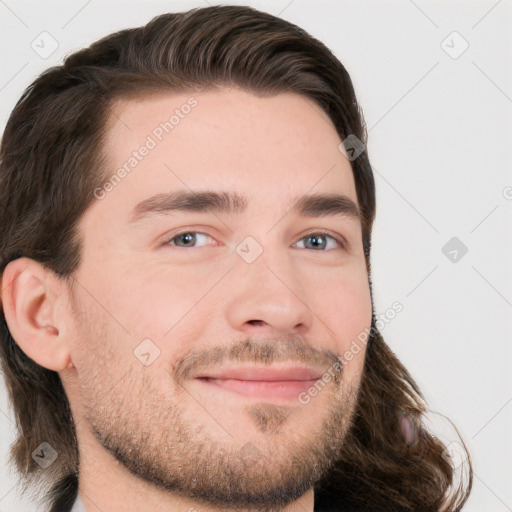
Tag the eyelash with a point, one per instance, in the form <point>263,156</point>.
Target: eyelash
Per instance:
<point>336,238</point>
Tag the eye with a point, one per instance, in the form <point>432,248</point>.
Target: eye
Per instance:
<point>188,239</point>
<point>320,242</point>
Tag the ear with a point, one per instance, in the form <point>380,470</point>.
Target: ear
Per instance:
<point>32,297</point>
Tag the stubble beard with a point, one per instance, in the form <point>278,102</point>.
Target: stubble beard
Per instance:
<point>155,437</point>
<point>161,445</point>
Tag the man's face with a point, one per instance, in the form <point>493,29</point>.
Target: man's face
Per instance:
<point>176,310</point>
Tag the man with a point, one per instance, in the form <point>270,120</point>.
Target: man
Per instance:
<point>185,253</point>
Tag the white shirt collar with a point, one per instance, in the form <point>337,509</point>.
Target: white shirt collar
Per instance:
<point>79,505</point>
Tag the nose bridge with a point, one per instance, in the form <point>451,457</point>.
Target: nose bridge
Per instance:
<point>267,294</point>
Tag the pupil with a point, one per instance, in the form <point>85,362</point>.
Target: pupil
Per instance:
<point>187,237</point>
<point>316,241</point>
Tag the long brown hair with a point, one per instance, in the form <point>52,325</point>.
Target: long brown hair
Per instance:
<point>51,163</point>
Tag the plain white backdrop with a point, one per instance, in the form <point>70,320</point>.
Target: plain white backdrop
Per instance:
<point>435,83</point>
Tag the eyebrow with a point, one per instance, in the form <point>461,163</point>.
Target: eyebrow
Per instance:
<point>309,205</point>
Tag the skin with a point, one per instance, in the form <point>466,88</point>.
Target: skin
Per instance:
<point>133,284</point>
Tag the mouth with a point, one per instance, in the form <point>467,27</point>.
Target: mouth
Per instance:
<point>266,383</point>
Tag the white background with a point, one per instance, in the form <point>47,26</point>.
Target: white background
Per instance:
<point>440,144</point>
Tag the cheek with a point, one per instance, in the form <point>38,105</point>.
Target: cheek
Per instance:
<point>147,300</point>
<point>121,317</point>
<point>171,300</point>
<point>347,310</point>
<point>100,343</point>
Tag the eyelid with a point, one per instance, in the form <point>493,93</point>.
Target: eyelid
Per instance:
<point>181,231</point>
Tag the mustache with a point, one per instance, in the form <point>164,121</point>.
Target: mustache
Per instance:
<point>290,349</point>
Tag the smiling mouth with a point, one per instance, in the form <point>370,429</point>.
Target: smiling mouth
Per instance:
<point>265,389</point>
<point>261,382</point>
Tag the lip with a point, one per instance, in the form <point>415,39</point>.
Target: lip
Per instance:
<point>263,373</point>
<point>263,383</point>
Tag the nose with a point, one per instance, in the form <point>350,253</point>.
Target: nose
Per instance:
<point>268,298</point>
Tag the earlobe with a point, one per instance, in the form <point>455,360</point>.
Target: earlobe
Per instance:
<point>30,297</point>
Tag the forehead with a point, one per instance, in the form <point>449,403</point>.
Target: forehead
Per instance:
<point>268,148</point>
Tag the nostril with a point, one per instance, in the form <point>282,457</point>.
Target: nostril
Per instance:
<point>255,322</point>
